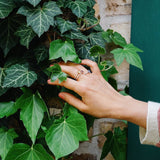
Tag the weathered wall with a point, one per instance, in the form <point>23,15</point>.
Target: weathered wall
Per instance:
<point>116,15</point>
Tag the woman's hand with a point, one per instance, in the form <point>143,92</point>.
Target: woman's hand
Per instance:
<point>99,98</point>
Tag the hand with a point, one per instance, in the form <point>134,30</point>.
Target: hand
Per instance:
<point>99,99</point>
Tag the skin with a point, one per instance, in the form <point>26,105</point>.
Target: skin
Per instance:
<point>98,97</point>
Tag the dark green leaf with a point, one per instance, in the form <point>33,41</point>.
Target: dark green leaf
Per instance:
<point>7,109</point>
<point>108,35</point>
<point>64,50</point>
<point>129,52</point>
<point>92,21</point>
<point>7,38</point>
<point>57,73</point>
<point>26,35</point>
<point>19,75</point>
<point>119,146</point>
<point>96,39</point>
<point>41,53</point>
<point>107,145</point>
<point>3,90</point>
<point>32,113</point>
<point>61,3</point>
<point>41,18</point>
<point>83,51</point>
<point>6,7</point>
<point>6,141</point>
<point>34,2</point>
<point>78,7</point>
<point>63,137</point>
<point>25,152</point>
<point>69,110</point>
<point>64,26</point>
<point>76,35</point>
<point>97,50</point>
<point>2,75</point>
<point>91,3</point>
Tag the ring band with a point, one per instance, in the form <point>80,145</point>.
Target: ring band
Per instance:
<point>78,74</point>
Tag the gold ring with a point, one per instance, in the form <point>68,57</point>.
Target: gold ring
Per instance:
<point>78,74</point>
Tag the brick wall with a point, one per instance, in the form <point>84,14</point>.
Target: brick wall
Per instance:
<point>116,15</point>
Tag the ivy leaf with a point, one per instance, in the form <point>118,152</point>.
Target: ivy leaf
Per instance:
<point>26,35</point>
<point>41,53</point>
<point>107,145</point>
<point>63,49</point>
<point>83,51</point>
<point>96,39</point>
<point>57,73</point>
<point>41,18</point>
<point>19,75</point>
<point>115,37</point>
<point>6,141</point>
<point>2,75</point>
<point>91,21</point>
<point>6,7</point>
<point>69,131</point>
<point>3,90</point>
<point>76,35</point>
<point>7,38</point>
<point>25,152</point>
<point>33,2</point>
<point>64,26</point>
<point>97,50</point>
<point>78,7</point>
<point>119,146</point>
<point>91,3</point>
<point>129,52</point>
<point>32,113</point>
<point>7,109</point>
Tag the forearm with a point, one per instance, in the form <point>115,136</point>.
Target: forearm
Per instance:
<point>134,111</point>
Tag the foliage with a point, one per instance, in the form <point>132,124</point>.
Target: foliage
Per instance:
<point>33,35</point>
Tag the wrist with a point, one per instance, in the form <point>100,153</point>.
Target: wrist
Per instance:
<point>134,111</point>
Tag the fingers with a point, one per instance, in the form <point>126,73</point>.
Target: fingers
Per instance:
<point>72,69</point>
<point>93,65</point>
<point>69,83</point>
<point>72,100</point>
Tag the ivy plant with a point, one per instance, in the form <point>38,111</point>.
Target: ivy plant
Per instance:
<point>33,35</point>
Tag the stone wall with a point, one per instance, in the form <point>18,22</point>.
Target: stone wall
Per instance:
<point>116,15</point>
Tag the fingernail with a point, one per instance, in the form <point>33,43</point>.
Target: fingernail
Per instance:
<point>61,95</point>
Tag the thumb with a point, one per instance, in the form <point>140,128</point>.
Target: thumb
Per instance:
<point>72,100</point>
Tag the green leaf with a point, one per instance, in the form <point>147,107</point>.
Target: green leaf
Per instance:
<point>22,151</point>
<point>91,3</point>
<point>96,39</point>
<point>64,26</point>
<point>119,147</point>
<point>63,137</point>
<point>69,110</point>
<point>19,75</point>
<point>129,52</point>
<point>41,53</point>
<point>7,38</point>
<point>32,113</point>
<point>3,90</point>
<point>64,50</point>
<point>2,75</point>
<point>76,35</point>
<point>107,145</point>
<point>114,37</point>
<point>97,50</point>
<point>6,7</point>
<point>91,21</point>
<point>7,109</point>
<point>33,2</point>
<point>78,7</point>
<point>57,73</point>
<point>26,35</point>
<point>83,51</point>
<point>6,141</point>
<point>41,18</point>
